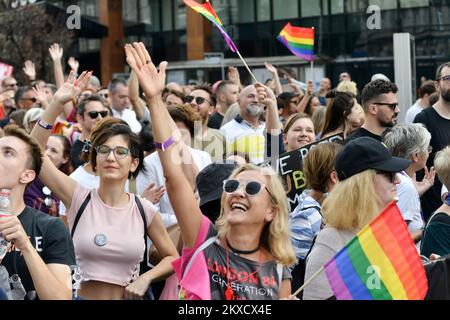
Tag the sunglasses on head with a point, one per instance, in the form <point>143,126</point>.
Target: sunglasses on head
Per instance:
<point>389,175</point>
<point>198,100</point>
<point>94,114</point>
<point>252,188</point>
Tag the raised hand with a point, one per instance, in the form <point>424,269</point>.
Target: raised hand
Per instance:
<point>40,94</point>
<point>72,87</point>
<point>310,87</point>
<point>271,68</point>
<point>29,69</point>
<point>56,52</point>
<point>74,64</point>
<point>266,95</point>
<point>427,181</point>
<point>233,75</point>
<point>151,80</point>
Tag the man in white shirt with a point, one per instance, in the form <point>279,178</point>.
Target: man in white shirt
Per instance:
<point>425,91</point>
<point>120,104</point>
<point>245,133</point>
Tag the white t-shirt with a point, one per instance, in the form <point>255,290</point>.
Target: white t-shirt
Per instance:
<point>413,111</point>
<point>129,116</point>
<point>409,202</point>
<point>155,174</point>
<point>87,180</point>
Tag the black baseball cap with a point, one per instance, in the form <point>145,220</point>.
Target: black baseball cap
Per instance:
<point>366,153</point>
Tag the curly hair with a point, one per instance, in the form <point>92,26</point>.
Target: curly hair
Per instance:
<point>185,114</point>
<point>375,89</point>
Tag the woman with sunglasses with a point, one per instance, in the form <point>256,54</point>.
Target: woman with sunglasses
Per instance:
<point>39,196</point>
<point>247,256</point>
<point>411,141</point>
<point>367,174</point>
<point>109,238</point>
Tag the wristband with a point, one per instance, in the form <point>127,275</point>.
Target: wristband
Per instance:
<point>44,125</point>
<point>165,145</point>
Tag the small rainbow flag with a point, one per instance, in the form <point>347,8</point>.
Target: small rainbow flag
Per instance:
<point>380,263</point>
<point>300,41</point>
<point>208,12</point>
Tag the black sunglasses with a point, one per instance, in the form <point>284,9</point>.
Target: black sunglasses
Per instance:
<point>252,188</point>
<point>198,100</point>
<point>34,100</point>
<point>389,175</point>
<point>393,106</point>
<point>94,114</point>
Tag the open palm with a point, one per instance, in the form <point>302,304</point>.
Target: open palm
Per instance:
<point>151,80</point>
<point>72,87</point>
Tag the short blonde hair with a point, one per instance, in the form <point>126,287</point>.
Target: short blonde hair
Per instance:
<point>32,115</point>
<point>276,236</point>
<point>348,86</point>
<point>442,166</point>
<point>352,203</point>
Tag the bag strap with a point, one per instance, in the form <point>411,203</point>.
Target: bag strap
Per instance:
<point>204,245</point>
<point>144,264</point>
<point>79,213</point>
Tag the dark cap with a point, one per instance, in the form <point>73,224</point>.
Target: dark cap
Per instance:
<point>366,153</point>
<point>209,181</point>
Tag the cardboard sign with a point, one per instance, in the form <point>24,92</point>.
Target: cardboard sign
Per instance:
<point>5,71</point>
<point>289,165</point>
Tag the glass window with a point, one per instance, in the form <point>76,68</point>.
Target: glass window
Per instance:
<point>263,10</point>
<point>384,4</point>
<point>167,15</point>
<point>414,3</point>
<point>92,8</point>
<point>222,10</point>
<point>286,9</point>
<point>311,8</point>
<point>337,6</point>
<point>180,15</point>
<point>356,6</point>
<point>324,7</point>
<point>244,10</point>
<point>130,12</point>
<point>149,13</point>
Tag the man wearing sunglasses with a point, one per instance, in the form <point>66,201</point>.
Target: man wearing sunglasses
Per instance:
<point>90,111</point>
<point>381,108</point>
<point>25,98</point>
<point>437,120</point>
<point>205,138</point>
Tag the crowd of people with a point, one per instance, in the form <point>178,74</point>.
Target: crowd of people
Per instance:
<point>102,175</point>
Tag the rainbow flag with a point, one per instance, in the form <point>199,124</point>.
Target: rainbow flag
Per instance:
<point>300,41</point>
<point>380,263</point>
<point>208,12</point>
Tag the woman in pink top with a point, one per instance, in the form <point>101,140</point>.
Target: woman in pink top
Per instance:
<point>249,251</point>
<point>109,237</point>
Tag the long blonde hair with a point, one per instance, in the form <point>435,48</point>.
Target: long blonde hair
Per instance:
<point>352,203</point>
<point>275,237</point>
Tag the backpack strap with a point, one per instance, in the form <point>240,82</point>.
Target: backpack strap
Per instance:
<point>204,245</point>
<point>144,264</point>
<point>79,213</point>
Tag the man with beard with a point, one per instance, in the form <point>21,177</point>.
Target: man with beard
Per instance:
<point>437,120</point>
<point>381,107</point>
<point>245,133</point>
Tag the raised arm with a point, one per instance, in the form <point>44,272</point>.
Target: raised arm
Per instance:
<point>304,102</point>
<point>179,190</point>
<point>60,184</point>
<point>30,70</point>
<point>275,77</point>
<point>56,53</point>
<point>139,105</point>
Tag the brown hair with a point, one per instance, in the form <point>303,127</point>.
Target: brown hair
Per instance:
<point>67,167</point>
<point>35,156</point>
<point>185,114</point>
<point>319,163</point>
<point>292,119</point>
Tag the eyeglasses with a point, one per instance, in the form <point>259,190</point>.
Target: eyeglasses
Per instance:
<point>445,78</point>
<point>34,100</point>
<point>94,114</point>
<point>119,152</point>
<point>198,100</point>
<point>393,106</point>
<point>252,188</point>
<point>389,175</point>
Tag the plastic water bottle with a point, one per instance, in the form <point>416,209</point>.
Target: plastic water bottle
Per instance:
<point>5,211</point>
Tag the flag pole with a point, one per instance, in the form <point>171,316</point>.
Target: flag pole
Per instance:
<point>315,275</point>
<point>251,73</point>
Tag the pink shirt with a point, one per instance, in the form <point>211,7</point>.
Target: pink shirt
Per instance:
<point>117,261</point>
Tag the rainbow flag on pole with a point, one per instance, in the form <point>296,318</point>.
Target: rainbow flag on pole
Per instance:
<point>300,41</point>
<point>208,12</point>
<point>380,263</point>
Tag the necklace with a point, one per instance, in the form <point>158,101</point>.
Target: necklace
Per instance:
<point>229,293</point>
<point>237,251</point>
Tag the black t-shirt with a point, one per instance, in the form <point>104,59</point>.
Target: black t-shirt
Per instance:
<point>361,132</point>
<point>52,241</point>
<point>76,153</point>
<point>439,128</point>
<point>215,121</point>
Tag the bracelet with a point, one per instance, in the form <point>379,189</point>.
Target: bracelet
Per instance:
<point>165,145</point>
<point>44,125</point>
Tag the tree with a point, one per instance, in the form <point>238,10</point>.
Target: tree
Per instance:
<point>26,33</point>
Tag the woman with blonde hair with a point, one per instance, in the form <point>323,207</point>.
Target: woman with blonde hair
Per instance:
<point>247,254</point>
<point>367,175</point>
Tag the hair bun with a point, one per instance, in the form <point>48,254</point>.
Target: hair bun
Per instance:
<point>331,94</point>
